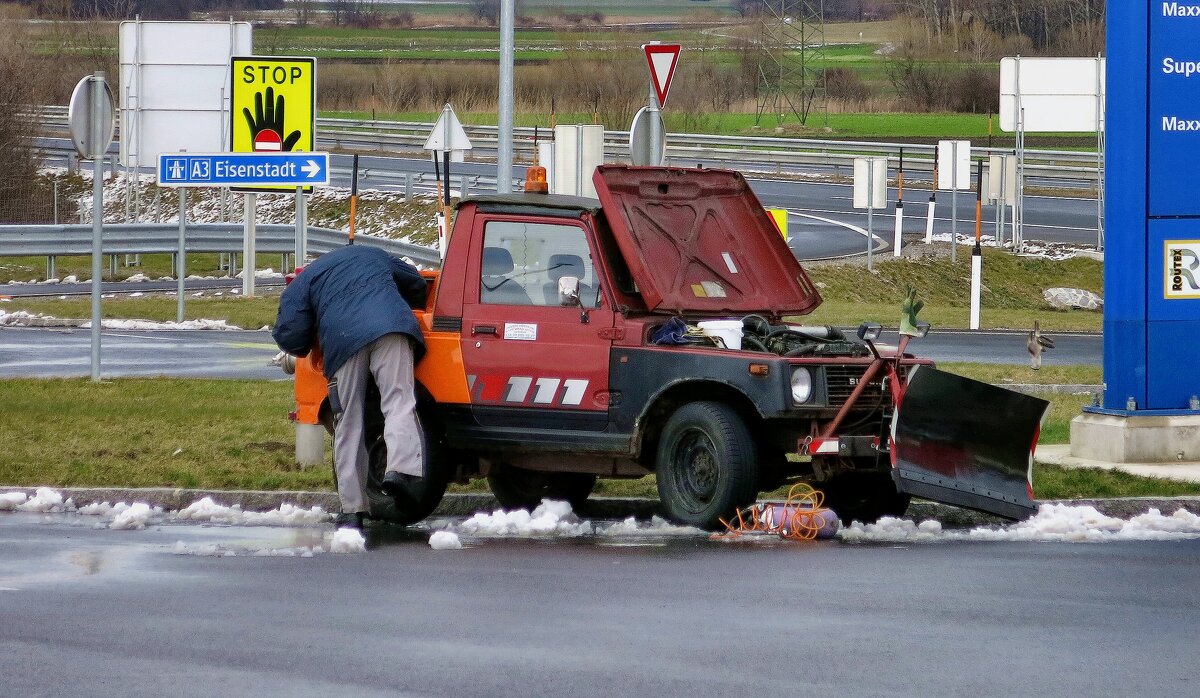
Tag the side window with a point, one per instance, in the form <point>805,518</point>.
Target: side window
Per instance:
<point>522,263</point>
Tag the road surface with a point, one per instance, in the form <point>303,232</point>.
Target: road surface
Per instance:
<point>95,611</point>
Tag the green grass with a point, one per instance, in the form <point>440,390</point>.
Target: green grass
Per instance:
<point>152,433</point>
<point>1047,375</point>
<point>152,265</point>
<point>234,434</point>
<point>1012,295</point>
<point>247,313</point>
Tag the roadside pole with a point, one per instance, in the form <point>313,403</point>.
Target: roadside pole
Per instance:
<point>899,206</point>
<point>977,253</point>
<point>870,213</point>
<point>249,246</point>
<point>932,200</point>
<point>870,189</point>
<point>353,198</point>
<point>504,146</point>
<point>181,254</point>
<point>98,93</point>
<point>301,228</point>
<point>954,202</point>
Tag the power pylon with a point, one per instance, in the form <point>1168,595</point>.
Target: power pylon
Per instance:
<point>791,48</point>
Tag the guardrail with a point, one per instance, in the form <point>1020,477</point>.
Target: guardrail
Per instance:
<point>745,152</point>
<point>163,238</point>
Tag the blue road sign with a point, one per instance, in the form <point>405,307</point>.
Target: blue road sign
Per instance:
<point>243,169</point>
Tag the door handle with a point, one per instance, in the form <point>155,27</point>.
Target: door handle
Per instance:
<point>483,329</point>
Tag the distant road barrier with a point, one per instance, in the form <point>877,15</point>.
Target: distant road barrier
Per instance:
<point>163,238</point>
<point>682,148</point>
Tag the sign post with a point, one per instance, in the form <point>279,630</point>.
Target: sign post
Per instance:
<point>448,138</point>
<point>954,174</point>
<point>662,59</point>
<point>90,118</point>
<point>870,190</point>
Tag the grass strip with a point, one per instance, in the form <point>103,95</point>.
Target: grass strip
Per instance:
<point>247,313</point>
<point>228,434</point>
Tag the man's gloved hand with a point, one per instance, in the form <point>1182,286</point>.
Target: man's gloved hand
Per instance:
<point>908,312</point>
<point>269,117</point>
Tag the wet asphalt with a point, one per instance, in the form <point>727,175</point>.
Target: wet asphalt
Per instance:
<point>98,612</point>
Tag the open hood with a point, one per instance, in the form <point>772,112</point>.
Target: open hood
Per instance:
<point>699,241</point>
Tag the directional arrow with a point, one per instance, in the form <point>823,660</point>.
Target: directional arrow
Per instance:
<point>311,169</point>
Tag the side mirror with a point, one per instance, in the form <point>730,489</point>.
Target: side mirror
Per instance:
<point>568,291</point>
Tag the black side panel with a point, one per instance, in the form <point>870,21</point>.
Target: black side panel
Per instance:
<point>532,430</point>
<point>639,375</point>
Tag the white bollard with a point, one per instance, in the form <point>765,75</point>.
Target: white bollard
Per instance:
<point>976,285</point>
<point>899,228</point>
<point>929,219</point>
<point>310,444</point>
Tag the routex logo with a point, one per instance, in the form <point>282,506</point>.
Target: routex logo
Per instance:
<point>1182,269</point>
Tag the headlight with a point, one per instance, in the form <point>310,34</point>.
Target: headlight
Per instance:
<point>802,386</point>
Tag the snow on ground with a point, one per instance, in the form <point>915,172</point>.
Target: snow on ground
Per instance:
<point>348,540</point>
<point>1039,249</point>
<point>554,518</point>
<point>445,540</point>
<point>9,501</point>
<point>23,318</point>
<point>1053,523</point>
<point>286,515</point>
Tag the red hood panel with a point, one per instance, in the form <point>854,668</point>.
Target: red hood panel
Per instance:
<point>700,241</point>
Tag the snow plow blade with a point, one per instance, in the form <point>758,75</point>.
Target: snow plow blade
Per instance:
<point>967,443</point>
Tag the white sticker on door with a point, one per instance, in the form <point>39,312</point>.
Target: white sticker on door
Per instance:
<point>525,332</point>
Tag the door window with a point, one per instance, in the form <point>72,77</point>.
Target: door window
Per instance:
<point>523,262</point>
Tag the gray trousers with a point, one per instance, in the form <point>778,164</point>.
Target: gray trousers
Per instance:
<point>390,360</point>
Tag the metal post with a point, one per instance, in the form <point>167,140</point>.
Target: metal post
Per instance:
<point>954,202</point>
<point>1000,202</point>
<point>248,246</point>
<point>98,94</point>
<point>504,146</point>
<point>1099,155</point>
<point>870,212</point>
<point>300,228</point>
<point>181,254</point>
<point>408,187</point>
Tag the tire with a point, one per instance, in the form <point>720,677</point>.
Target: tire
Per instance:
<point>863,496</point>
<point>518,488</point>
<point>429,492</point>
<point>707,465</point>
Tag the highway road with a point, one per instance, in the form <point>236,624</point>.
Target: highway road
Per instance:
<point>53,352</point>
<point>823,218</point>
<point>88,610</point>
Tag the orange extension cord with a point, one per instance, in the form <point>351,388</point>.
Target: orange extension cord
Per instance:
<point>800,517</point>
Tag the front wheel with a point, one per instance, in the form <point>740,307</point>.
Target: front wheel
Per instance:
<point>707,465</point>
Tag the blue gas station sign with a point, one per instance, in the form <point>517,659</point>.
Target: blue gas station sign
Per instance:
<point>243,169</point>
<point>1152,206</point>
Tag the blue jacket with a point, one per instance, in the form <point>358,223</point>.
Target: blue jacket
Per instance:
<point>348,298</point>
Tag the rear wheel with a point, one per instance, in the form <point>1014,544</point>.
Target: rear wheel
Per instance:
<point>518,488</point>
<point>707,464</point>
<point>863,496</point>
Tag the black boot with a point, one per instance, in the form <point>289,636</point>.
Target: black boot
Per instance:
<point>399,486</point>
<point>354,519</point>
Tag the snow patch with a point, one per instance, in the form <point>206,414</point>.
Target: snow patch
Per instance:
<point>133,517</point>
<point>9,501</point>
<point>551,517</point>
<point>201,324</point>
<point>1053,523</point>
<point>445,540</point>
<point>44,500</point>
<point>286,515</point>
<point>348,540</point>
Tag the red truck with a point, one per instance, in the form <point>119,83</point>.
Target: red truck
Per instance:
<point>562,348</point>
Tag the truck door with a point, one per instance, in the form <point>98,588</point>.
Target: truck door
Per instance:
<point>530,361</point>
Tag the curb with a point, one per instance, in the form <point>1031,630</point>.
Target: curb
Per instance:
<point>596,507</point>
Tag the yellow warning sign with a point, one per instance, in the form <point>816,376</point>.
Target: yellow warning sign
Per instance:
<point>273,105</point>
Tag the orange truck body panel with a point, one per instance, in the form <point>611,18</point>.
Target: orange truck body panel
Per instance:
<point>444,379</point>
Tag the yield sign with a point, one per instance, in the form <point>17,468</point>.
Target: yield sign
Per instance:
<point>662,59</point>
